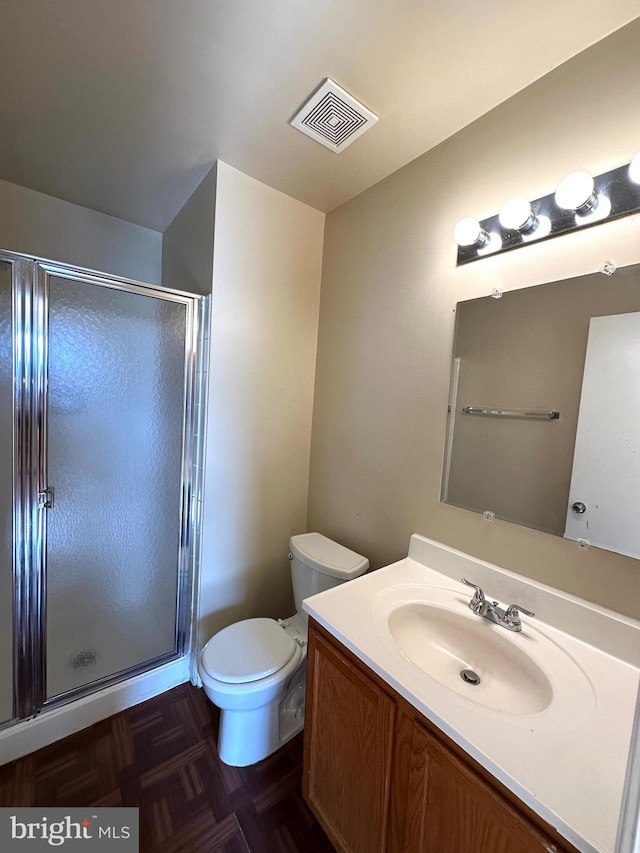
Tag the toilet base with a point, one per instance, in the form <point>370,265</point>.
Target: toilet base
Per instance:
<point>246,737</point>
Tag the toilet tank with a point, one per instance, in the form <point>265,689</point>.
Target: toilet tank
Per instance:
<point>318,563</point>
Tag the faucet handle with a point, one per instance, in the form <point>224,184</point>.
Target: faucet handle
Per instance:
<point>478,602</point>
<point>513,611</point>
<point>478,589</point>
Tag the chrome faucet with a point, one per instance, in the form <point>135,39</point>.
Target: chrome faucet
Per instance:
<point>509,618</point>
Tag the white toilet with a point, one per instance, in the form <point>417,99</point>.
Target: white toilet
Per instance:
<point>255,670</point>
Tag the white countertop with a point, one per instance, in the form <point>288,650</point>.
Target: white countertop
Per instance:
<point>566,762</point>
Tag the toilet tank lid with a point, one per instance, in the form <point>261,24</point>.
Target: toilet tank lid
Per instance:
<point>327,556</point>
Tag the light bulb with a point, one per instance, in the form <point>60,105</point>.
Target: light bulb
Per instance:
<point>575,192</point>
<point>469,232</point>
<point>634,169</point>
<point>516,214</point>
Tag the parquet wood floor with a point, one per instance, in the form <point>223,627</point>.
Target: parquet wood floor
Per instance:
<point>161,756</point>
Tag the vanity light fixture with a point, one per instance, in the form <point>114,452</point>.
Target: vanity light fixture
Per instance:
<point>576,192</point>
<point>469,232</point>
<point>517,215</point>
<point>580,201</point>
<point>634,169</point>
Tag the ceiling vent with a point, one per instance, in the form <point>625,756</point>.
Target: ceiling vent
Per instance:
<point>333,118</point>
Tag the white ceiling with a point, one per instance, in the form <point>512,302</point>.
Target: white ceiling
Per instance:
<point>123,105</point>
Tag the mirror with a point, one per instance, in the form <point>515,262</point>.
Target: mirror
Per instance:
<point>544,409</point>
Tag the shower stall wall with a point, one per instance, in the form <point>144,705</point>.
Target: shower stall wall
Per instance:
<point>98,447</point>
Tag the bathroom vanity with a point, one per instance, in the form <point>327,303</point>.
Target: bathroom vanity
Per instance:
<point>404,754</point>
<point>402,784</point>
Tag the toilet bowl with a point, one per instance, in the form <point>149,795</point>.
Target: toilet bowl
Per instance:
<point>255,669</point>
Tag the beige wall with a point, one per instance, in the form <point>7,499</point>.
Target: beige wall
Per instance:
<point>389,290</point>
<point>266,292</point>
<point>40,225</point>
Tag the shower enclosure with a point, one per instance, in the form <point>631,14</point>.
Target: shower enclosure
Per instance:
<point>97,460</point>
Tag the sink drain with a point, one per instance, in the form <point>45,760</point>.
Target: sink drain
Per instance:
<point>470,676</point>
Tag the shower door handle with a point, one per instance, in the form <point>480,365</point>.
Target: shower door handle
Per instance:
<point>45,499</point>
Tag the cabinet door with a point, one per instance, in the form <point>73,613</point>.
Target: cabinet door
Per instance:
<point>348,750</point>
<point>445,806</point>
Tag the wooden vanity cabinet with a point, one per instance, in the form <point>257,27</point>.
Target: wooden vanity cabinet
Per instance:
<point>348,749</point>
<point>380,777</point>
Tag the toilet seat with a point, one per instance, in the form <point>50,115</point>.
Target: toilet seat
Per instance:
<point>247,651</point>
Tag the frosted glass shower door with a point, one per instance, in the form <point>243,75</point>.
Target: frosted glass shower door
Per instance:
<point>6,495</point>
<point>115,416</point>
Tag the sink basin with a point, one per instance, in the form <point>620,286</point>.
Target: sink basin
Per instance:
<point>456,651</point>
<point>518,674</point>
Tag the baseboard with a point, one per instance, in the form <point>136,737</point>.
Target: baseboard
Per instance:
<point>30,735</point>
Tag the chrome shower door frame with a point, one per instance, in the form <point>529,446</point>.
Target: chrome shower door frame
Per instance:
<point>30,321</point>
<point>26,606</point>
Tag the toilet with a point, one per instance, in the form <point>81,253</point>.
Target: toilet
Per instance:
<point>255,670</point>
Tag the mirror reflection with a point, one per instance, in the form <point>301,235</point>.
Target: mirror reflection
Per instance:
<point>544,409</point>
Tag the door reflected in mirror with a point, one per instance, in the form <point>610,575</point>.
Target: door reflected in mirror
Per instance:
<point>544,409</point>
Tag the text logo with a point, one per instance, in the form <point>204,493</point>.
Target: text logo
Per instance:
<point>36,829</point>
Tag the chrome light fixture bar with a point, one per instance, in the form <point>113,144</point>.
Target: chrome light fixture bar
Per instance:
<point>579,201</point>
